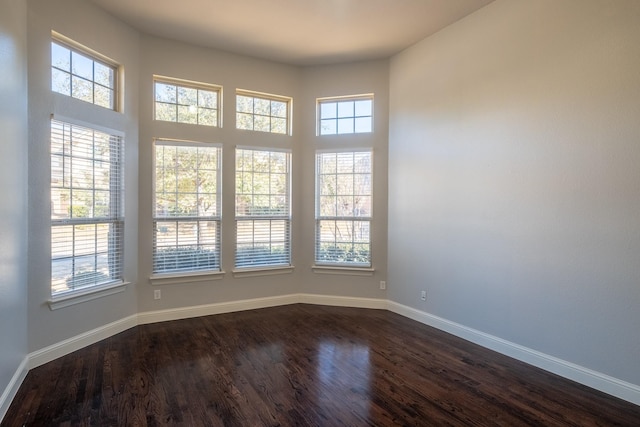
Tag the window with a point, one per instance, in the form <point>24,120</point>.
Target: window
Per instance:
<point>261,112</point>
<point>343,208</point>
<point>87,214</point>
<point>345,115</point>
<point>263,213</point>
<point>186,102</point>
<point>77,73</point>
<point>186,219</point>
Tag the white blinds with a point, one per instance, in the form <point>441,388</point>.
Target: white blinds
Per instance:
<point>263,208</point>
<point>186,207</point>
<point>343,208</point>
<point>87,212</point>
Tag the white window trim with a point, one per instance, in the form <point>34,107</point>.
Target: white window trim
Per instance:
<point>338,268</point>
<point>262,271</point>
<point>268,269</point>
<point>77,296</point>
<point>185,277</point>
<point>174,277</point>
<point>69,298</point>
<point>271,97</point>
<point>191,84</point>
<point>358,97</point>
<point>343,270</point>
<point>97,57</point>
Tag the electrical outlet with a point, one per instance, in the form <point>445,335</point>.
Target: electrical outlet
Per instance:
<point>157,294</point>
<point>423,295</point>
<point>383,284</point>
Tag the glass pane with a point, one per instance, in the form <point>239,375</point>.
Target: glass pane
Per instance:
<point>60,57</point>
<point>244,121</point>
<point>279,109</point>
<point>82,89</point>
<point>165,92</point>
<point>262,123</point>
<point>81,66</point>
<point>60,82</point>
<point>187,96</point>
<point>279,125</point>
<point>345,109</point>
<point>244,104</point>
<point>166,112</point>
<point>363,107</point>
<point>103,75</point>
<point>345,126</point>
<point>262,106</point>
<point>328,127</point>
<point>363,124</point>
<point>328,110</point>
<point>103,96</point>
<point>187,114</point>
<point>207,117</point>
<point>207,99</point>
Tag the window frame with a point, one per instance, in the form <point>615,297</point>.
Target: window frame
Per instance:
<point>95,57</point>
<point>188,84</point>
<point>323,265</point>
<point>197,274</point>
<point>268,97</point>
<point>342,99</point>
<point>247,268</point>
<point>115,217</point>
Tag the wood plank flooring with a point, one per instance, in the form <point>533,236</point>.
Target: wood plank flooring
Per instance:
<point>302,365</point>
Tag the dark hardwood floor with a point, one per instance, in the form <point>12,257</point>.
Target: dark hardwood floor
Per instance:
<point>302,365</point>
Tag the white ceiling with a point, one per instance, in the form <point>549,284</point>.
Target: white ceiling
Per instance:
<point>299,32</point>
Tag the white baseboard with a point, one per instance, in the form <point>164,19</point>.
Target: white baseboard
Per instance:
<point>590,378</point>
<point>216,308</point>
<point>52,352</point>
<point>12,388</point>
<point>613,386</point>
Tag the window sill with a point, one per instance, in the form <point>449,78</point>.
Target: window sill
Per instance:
<point>262,271</point>
<point>83,295</point>
<point>349,271</point>
<point>185,277</point>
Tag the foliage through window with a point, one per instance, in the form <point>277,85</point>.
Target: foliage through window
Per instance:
<point>346,115</point>
<point>87,215</point>
<point>81,75</point>
<point>263,208</point>
<point>186,102</point>
<point>343,208</point>
<point>186,207</point>
<point>262,113</point>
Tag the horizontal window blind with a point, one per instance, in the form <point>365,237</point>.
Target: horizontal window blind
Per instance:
<point>343,208</point>
<point>263,208</point>
<point>87,210</point>
<point>186,207</point>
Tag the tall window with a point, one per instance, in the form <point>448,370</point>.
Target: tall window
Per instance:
<point>77,73</point>
<point>263,208</point>
<point>186,102</point>
<point>87,213</point>
<point>343,208</point>
<point>261,112</point>
<point>344,115</point>
<point>186,219</point>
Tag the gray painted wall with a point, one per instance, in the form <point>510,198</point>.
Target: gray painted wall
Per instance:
<point>13,191</point>
<point>96,30</point>
<point>514,186</point>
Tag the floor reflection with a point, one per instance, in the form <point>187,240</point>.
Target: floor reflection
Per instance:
<point>344,370</point>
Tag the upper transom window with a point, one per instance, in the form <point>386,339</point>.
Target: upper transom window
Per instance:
<point>82,74</point>
<point>186,102</point>
<point>344,115</point>
<point>262,112</point>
